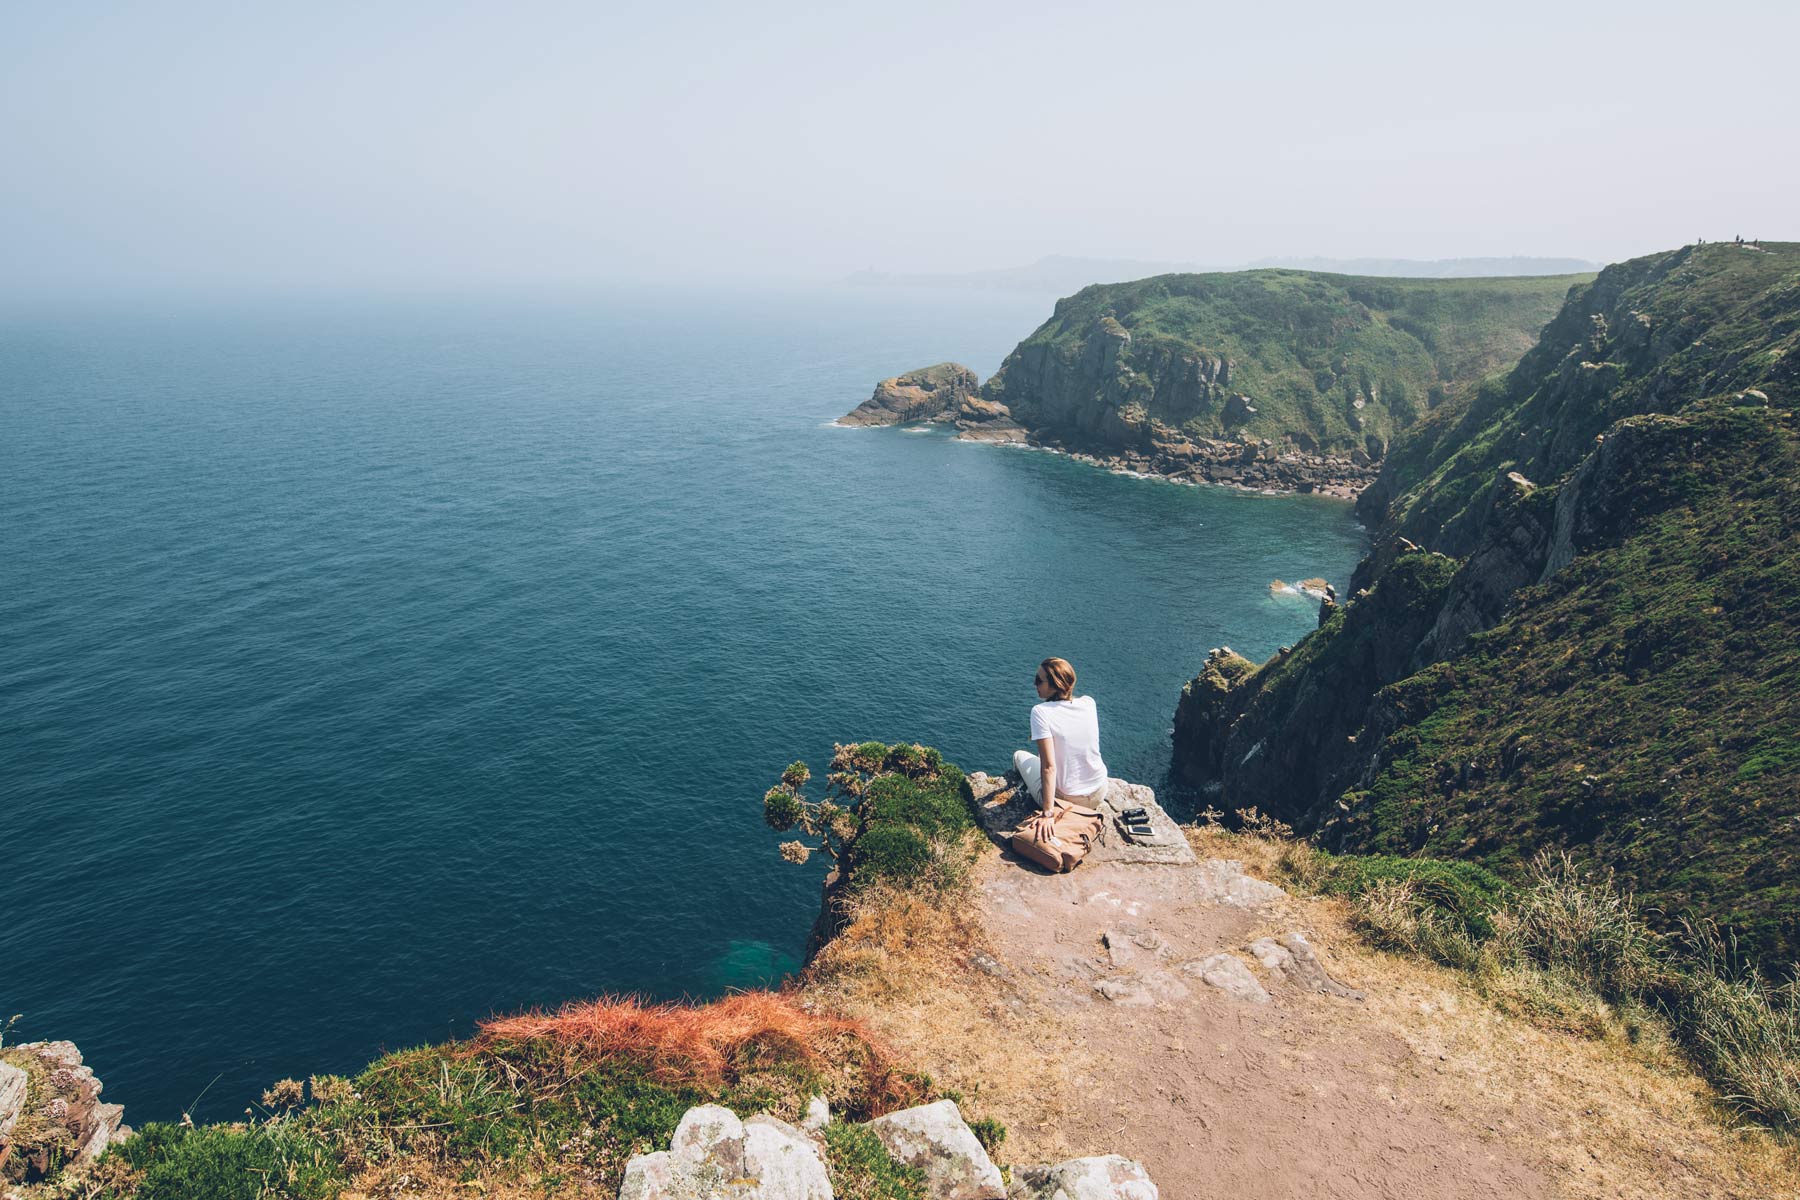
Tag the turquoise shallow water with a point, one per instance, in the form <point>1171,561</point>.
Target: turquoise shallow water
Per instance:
<point>368,668</point>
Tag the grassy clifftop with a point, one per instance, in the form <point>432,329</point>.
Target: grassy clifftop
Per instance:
<point>1652,335</point>
<point>1337,362</point>
<point>1604,655</point>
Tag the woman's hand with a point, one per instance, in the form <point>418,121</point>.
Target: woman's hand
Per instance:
<point>1043,826</point>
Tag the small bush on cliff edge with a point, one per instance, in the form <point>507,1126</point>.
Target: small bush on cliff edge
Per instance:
<point>889,813</point>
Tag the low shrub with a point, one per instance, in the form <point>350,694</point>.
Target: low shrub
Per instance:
<point>1584,926</point>
<point>1743,1029</point>
<point>890,814</point>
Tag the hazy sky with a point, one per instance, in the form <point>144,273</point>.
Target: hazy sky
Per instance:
<point>233,145</point>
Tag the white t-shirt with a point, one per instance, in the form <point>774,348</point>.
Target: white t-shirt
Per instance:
<point>1073,727</point>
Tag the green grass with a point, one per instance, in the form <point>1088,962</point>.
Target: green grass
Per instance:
<point>1305,347</point>
<point>892,814</point>
<point>1638,706</point>
<point>277,1160</point>
<point>862,1169</point>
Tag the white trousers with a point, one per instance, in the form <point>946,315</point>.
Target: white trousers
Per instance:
<point>1031,769</point>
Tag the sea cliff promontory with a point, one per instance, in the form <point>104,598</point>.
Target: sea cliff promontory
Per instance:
<point>1271,379</point>
<point>927,394</point>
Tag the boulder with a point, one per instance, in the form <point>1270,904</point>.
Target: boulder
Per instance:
<point>935,1139</point>
<point>818,1115</point>
<point>1105,1177</point>
<point>714,1156</point>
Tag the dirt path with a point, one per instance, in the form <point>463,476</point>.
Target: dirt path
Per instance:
<point>1221,1095</point>
<point>1093,1013</point>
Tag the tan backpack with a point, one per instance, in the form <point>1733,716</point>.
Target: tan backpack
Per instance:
<point>1077,830</point>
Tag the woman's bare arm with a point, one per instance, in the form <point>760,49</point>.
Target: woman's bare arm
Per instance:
<point>1047,758</point>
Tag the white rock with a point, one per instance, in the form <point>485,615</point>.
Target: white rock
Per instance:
<point>783,1161</point>
<point>1143,989</point>
<point>1271,954</point>
<point>710,1133</point>
<point>713,1155</point>
<point>1228,973</point>
<point>935,1139</point>
<point>649,1177</point>
<point>12,1096</point>
<point>1106,1177</point>
<point>818,1115</point>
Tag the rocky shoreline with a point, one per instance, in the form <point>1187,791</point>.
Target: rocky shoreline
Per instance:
<point>948,394</point>
<point>1252,466</point>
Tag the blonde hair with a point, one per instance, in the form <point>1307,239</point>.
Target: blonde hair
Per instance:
<point>1059,676</point>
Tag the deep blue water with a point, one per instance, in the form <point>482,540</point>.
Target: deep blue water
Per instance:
<point>368,668</point>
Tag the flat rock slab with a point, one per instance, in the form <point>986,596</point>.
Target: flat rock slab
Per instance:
<point>1002,803</point>
<point>1230,975</point>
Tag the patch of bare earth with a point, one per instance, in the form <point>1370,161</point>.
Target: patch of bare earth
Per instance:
<point>1074,1009</point>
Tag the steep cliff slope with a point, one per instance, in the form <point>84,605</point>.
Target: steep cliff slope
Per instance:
<point>1604,654</point>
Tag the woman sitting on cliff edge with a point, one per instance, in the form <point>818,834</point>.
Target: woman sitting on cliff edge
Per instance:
<point>1066,729</point>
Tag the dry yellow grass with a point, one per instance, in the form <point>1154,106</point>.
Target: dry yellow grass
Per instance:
<point>1612,1114</point>
<point>1618,1112</point>
<point>908,969</point>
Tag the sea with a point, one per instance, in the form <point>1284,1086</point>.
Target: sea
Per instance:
<point>371,666</point>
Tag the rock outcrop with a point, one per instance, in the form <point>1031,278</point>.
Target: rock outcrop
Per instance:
<point>935,1139</point>
<point>51,1112</point>
<point>927,394</point>
<point>715,1156</point>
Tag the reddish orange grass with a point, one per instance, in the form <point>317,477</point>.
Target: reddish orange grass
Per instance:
<point>704,1039</point>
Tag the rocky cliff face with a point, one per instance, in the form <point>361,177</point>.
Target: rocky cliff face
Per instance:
<point>1276,380</point>
<point>51,1115</point>
<point>927,394</point>
<point>1608,661</point>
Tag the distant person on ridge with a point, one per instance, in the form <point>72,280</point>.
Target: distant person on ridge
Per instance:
<point>1066,729</point>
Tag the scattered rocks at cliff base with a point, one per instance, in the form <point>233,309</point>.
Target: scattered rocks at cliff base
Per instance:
<point>927,394</point>
<point>935,1139</point>
<point>1104,1177</point>
<point>713,1155</point>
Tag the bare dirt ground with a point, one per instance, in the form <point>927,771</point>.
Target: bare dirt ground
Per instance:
<point>1219,1095</point>
<point>1077,1009</point>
